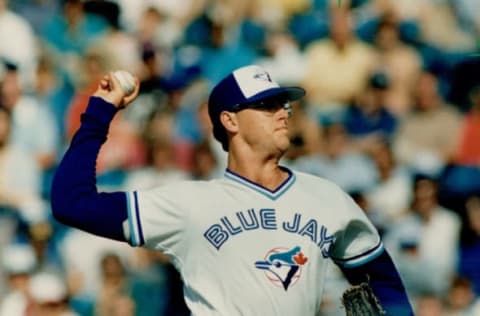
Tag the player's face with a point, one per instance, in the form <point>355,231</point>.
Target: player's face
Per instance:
<point>265,126</point>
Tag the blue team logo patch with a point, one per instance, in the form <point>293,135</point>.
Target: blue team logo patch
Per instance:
<point>283,267</point>
<point>263,75</point>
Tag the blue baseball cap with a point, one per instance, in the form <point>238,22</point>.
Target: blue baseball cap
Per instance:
<point>243,87</point>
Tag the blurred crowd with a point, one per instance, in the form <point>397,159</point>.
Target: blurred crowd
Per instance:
<point>392,115</point>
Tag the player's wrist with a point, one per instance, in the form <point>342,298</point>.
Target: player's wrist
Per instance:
<point>101,109</point>
<point>110,97</point>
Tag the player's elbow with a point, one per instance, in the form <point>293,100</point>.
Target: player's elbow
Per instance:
<point>101,214</point>
<point>58,210</point>
<point>65,201</point>
<point>62,207</point>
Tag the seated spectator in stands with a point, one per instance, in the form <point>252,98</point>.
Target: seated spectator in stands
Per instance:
<point>33,125</point>
<point>222,49</point>
<point>18,265</point>
<point>160,169</point>
<point>53,91</point>
<point>373,214</point>
<point>48,295</point>
<point>19,44</point>
<point>468,151</point>
<point>148,276</point>
<point>467,14</point>
<point>391,195</point>
<point>71,33</point>
<point>205,126</point>
<point>37,13</point>
<point>338,67</point>
<point>174,119</point>
<point>441,27</point>
<point>427,137</point>
<point>276,13</point>
<point>41,240</point>
<point>461,299</point>
<point>126,54</point>
<point>368,120</point>
<point>462,178</point>
<point>81,255</point>
<point>430,304</point>
<point>435,231</point>
<point>20,177</point>
<point>401,63</point>
<point>338,162</point>
<point>469,257</point>
<point>114,293</point>
<point>205,165</point>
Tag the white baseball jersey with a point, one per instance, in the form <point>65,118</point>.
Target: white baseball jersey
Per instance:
<point>245,250</point>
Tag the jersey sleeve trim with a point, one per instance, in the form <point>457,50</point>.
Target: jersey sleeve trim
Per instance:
<point>136,232</point>
<point>361,259</point>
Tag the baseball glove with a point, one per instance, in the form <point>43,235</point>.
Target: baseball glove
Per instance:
<point>359,300</point>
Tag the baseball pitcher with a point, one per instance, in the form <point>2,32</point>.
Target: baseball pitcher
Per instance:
<point>254,242</point>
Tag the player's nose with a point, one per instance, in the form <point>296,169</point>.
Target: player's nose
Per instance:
<point>283,113</point>
<point>286,110</point>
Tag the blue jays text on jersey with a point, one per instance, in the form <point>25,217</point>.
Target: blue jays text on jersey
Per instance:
<point>265,218</point>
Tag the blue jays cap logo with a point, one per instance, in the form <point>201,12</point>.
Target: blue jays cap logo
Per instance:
<point>262,75</point>
<point>283,267</point>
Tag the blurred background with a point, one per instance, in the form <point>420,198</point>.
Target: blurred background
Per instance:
<point>392,115</point>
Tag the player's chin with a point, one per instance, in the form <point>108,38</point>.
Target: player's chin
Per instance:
<point>283,143</point>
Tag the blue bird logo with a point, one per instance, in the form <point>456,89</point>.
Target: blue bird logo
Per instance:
<point>282,266</point>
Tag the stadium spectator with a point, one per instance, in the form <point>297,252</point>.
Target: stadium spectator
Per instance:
<point>48,296</point>
<point>390,197</point>
<point>469,259</point>
<point>368,120</point>
<point>338,162</point>
<point>329,62</point>
<point>18,265</point>
<point>437,251</point>
<point>20,178</point>
<point>33,126</point>
<point>461,299</point>
<point>428,136</point>
<point>400,62</point>
<point>19,44</point>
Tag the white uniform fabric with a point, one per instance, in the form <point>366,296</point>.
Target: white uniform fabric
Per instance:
<point>245,250</point>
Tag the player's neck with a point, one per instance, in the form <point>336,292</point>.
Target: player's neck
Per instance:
<point>265,172</point>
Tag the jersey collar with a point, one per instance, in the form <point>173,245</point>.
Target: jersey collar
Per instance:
<point>273,195</point>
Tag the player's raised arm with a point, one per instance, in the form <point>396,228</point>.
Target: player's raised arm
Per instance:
<point>74,196</point>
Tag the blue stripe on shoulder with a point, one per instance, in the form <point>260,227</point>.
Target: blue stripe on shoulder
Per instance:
<point>139,225</point>
<point>133,235</point>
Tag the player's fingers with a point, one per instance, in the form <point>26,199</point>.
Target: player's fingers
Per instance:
<point>110,90</point>
<point>104,83</point>
<point>114,83</point>
<point>129,98</point>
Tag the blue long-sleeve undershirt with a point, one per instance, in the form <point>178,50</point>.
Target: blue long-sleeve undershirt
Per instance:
<point>385,282</point>
<point>74,196</point>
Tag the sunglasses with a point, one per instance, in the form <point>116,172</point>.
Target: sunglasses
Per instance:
<point>266,105</point>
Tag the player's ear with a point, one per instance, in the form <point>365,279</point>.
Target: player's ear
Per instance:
<point>229,121</point>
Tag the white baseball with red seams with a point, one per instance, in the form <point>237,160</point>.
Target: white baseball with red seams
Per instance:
<point>126,80</point>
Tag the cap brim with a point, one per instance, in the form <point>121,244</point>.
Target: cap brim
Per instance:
<point>289,93</point>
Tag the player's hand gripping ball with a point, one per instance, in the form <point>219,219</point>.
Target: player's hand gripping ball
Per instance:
<point>126,80</point>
